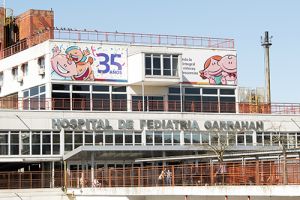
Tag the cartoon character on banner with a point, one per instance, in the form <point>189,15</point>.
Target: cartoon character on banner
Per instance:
<point>212,70</point>
<point>220,70</point>
<point>229,70</point>
<point>61,65</point>
<point>83,63</point>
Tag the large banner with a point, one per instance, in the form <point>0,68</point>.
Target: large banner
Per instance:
<point>83,62</point>
<point>212,67</point>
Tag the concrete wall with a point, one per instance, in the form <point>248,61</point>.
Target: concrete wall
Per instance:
<point>193,193</point>
<point>31,55</point>
<point>42,120</point>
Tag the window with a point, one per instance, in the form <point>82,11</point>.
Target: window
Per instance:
<point>161,64</point>
<point>99,138</point>
<point>187,137</point>
<point>1,76</point>
<point>109,138</point>
<point>205,138</point>
<point>128,138</point>
<point>25,138</point>
<point>46,146</point>
<point>35,98</point>
<point>41,62</point>
<point>56,143</point>
<point>137,138</point>
<point>14,72</point>
<point>88,138</point>
<point>151,103</point>
<point>196,137</point>
<point>118,138</point>
<point>60,87</point>
<point>149,137</point>
<point>158,138</point>
<point>24,68</point>
<point>78,139</point>
<point>3,143</point>
<point>176,138</point>
<point>68,141</point>
<point>167,138</point>
<point>36,143</point>
<point>240,139</point>
<point>14,143</point>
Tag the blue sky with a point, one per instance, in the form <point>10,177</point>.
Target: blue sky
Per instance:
<point>244,21</point>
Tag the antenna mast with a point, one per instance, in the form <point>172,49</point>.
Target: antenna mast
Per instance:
<point>266,43</point>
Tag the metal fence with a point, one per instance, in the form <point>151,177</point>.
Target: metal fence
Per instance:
<point>260,172</point>
<point>116,37</point>
<point>148,105</point>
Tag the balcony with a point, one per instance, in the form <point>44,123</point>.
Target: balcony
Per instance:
<point>124,105</point>
<point>117,37</point>
<point>249,173</point>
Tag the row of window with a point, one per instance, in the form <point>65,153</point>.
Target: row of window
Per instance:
<point>49,142</point>
<point>34,98</point>
<point>161,65</point>
<point>29,143</point>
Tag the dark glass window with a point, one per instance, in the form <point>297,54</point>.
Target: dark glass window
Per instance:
<point>148,64</point>
<point>81,88</point>
<point>118,138</point>
<point>149,138</point>
<point>101,102</point>
<point>158,138</point>
<point>108,138</point>
<point>227,104</point>
<point>187,138</point>
<point>167,65</point>
<point>175,65</point>
<point>118,88</point>
<point>176,137</point>
<point>42,89</point>
<point>137,138</point>
<point>156,65</point>
<point>100,88</point>
<point>209,91</point>
<point>26,93</point>
<point>60,87</point>
<point>81,101</point>
<point>210,104</point>
<point>174,90</point>
<point>99,138</point>
<point>192,90</point>
<point>196,137</point>
<point>34,91</point>
<point>227,91</point>
<point>60,101</point>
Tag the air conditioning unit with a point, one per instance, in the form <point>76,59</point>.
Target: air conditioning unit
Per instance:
<point>42,71</point>
<point>20,79</point>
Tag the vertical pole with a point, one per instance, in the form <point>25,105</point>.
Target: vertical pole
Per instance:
<point>65,176</point>
<point>257,176</point>
<point>173,175</point>
<point>52,175</point>
<point>92,168</point>
<point>266,44</point>
<point>143,95</point>
<point>181,103</point>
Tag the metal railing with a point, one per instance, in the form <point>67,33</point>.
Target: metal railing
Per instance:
<point>116,37</point>
<point>260,172</point>
<point>148,105</point>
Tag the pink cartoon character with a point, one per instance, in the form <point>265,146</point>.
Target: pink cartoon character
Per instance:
<point>212,71</point>
<point>83,63</point>
<point>61,65</point>
<point>229,70</point>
